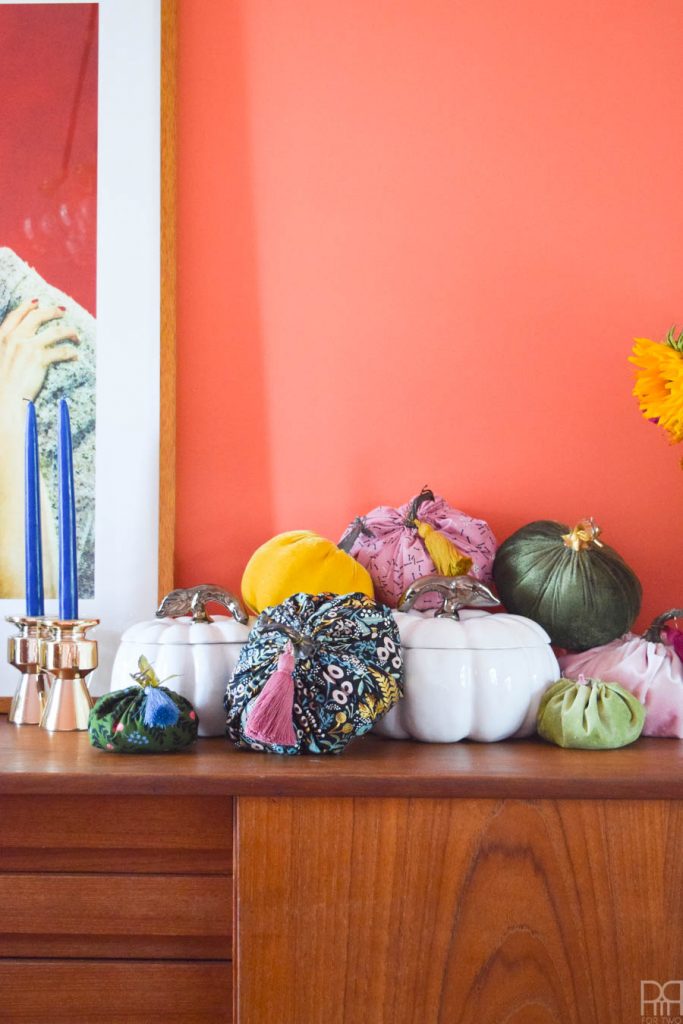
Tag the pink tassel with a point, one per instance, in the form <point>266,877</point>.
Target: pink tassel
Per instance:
<point>270,718</point>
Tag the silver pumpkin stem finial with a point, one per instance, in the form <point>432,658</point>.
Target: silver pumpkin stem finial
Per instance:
<point>193,601</point>
<point>457,592</point>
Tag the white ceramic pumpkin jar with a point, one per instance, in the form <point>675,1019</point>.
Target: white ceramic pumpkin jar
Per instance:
<point>469,674</point>
<point>196,652</point>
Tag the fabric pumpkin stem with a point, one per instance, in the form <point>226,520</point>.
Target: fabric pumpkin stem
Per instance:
<point>658,629</point>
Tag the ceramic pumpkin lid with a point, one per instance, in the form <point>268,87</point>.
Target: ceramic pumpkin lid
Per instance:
<point>457,627</point>
<point>182,618</point>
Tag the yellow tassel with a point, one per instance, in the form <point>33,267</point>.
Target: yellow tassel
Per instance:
<point>448,561</point>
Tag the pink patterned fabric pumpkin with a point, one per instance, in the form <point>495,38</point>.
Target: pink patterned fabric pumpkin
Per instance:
<point>648,666</point>
<point>426,535</point>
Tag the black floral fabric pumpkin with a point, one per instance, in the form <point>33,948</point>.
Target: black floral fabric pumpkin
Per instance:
<point>327,667</point>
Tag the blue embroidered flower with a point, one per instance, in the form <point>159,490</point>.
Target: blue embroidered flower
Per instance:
<point>138,739</point>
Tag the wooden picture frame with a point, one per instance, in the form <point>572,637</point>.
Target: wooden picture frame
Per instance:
<point>167,352</point>
<point>167,434</point>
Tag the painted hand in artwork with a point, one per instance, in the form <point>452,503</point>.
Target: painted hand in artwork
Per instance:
<point>31,339</point>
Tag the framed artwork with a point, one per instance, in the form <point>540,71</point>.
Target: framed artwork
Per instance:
<point>87,287</point>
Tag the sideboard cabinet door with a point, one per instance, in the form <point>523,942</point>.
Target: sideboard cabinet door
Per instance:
<point>398,911</point>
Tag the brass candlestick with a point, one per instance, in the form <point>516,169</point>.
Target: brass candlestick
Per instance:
<point>69,656</point>
<point>23,653</point>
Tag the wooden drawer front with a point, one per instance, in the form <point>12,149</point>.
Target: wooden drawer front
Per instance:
<point>116,833</point>
<point>126,916</point>
<point>54,992</point>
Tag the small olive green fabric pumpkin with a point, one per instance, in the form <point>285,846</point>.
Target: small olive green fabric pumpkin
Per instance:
<point>146,718</point>
<point>580,590</point>
<point>590,714</point>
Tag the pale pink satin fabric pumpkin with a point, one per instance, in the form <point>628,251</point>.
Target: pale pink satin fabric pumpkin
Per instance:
<point>388,544</point>
<point>647,667</point>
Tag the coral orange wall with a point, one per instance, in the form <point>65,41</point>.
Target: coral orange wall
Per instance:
<point>416,239</point>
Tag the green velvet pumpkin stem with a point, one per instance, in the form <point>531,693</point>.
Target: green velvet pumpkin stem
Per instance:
<point>654,632</point>
<point>583,535</point>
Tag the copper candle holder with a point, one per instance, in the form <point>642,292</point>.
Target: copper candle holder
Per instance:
<point>23,652</point>
<point>68,656</point>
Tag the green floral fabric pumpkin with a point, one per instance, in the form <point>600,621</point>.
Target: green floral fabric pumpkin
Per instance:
<point>590,714</point>
<point>579,589</point>
<point>146,718</point>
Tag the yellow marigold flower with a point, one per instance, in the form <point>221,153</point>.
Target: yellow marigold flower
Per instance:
<point>659,384</point>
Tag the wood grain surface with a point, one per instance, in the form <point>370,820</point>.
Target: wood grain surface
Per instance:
<point>126,916</point>
<point>33,761</point>
<point>402,911</point>
<point>101,992</point>
<point>124,834</point>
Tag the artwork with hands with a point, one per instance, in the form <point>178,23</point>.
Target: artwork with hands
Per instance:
<point>47,268</point>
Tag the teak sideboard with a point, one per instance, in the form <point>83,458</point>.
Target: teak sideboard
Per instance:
<point>396,884</point>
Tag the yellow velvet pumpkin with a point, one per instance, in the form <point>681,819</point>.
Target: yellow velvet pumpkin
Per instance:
<point>301,562</point>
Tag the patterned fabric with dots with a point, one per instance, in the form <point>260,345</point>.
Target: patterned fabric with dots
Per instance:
<point>348,671</point>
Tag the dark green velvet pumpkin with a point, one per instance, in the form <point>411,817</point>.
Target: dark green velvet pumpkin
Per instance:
<point>580,590</point>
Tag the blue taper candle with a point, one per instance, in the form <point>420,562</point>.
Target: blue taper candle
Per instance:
<point>33,550</point>
<point>68,555</point>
